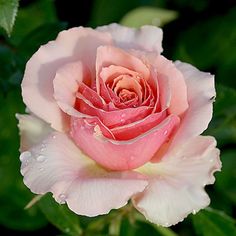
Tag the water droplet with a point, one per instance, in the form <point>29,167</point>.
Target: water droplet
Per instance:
<point>211,160</point>
<point>41,158</point>
<point>166,224</point>
<point>122,120</point>
<point>54,136</point>
<point>67,230</point>
<point>194,211</point>
<point>165,132</point>
<point>62,198</point>
<point>25,155</point>
<point>123,115</point>
<point>43,147</point>
<point>132,158</point>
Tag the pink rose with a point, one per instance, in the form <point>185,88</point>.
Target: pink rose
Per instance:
<point>111,119</point>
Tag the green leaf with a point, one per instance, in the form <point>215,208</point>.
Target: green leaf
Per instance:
<point>148,16</point>
<point>143,227</point>
<point>226,179</point>
<point>218,52</point>
<point>223,124</point>
<point>210,222</point>
<point>34,15</point>
<point>105,12</point>
<point>60,216</point>
<point>41,35</point>
<point>8,12</point>
<point>14,195</point>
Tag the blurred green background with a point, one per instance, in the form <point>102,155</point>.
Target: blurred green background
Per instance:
<point>201,32</point>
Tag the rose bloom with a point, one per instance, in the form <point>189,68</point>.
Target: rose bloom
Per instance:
<point>111,119</point>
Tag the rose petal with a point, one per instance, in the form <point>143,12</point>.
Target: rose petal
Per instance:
<point>66,83</point>
<point>201,94</point>
<point>37,87</point>
<point>62,169</point>
<point>108,55</point>
<point>111,72</point>
<point>121,155</point>
<point>137,128</point>
<point>178,89</point>
<point>92,95</point>
<point>176,184</point>
<point>32,130</point>
<point>110,118</point>
<point>128,82</point>
<point>148,38</point>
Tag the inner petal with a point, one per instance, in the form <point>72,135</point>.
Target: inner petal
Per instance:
<point>131,84</point>
<point>126,95</point>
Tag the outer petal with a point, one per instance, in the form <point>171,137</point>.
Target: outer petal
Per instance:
<point>147,38</point>
<point>69,78</point>
<point>32,130</point>
<point>178,102</point>
<point>37,87</point>
<point>61,168</point>
<point>121,155</point>
<point>201,94</point>
<point>176,185</point>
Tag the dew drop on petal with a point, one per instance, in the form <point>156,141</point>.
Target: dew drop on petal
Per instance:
<point>25,155</point>
<point>62,198</point>
<point>132,158</point>
<point>165,132</point>
<point>43,146</point>
<point>123,115</point>
<point>122,120</point>
<point>41,158</point>
<point>71,133</point>
<point>166,224</point>
<point>194,211</point>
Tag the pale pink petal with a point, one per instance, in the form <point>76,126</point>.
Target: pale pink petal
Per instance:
<point>66,84</point>
<point>109,55</point>
<point>178,89</point>
<point>120,155</point>
<point>111,72</point>
<point>148,38</point>
<point>57,165</point>
<point>176,184</point>
<point>128,82</point>
<point>165,71</point>
<point>37,87</point>
<point>201,94</point>
<point>32,130</point>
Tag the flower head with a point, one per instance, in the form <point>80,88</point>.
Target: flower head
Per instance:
<point>111,119</point>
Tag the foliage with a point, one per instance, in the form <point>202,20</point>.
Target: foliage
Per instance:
<point>195,36</point>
